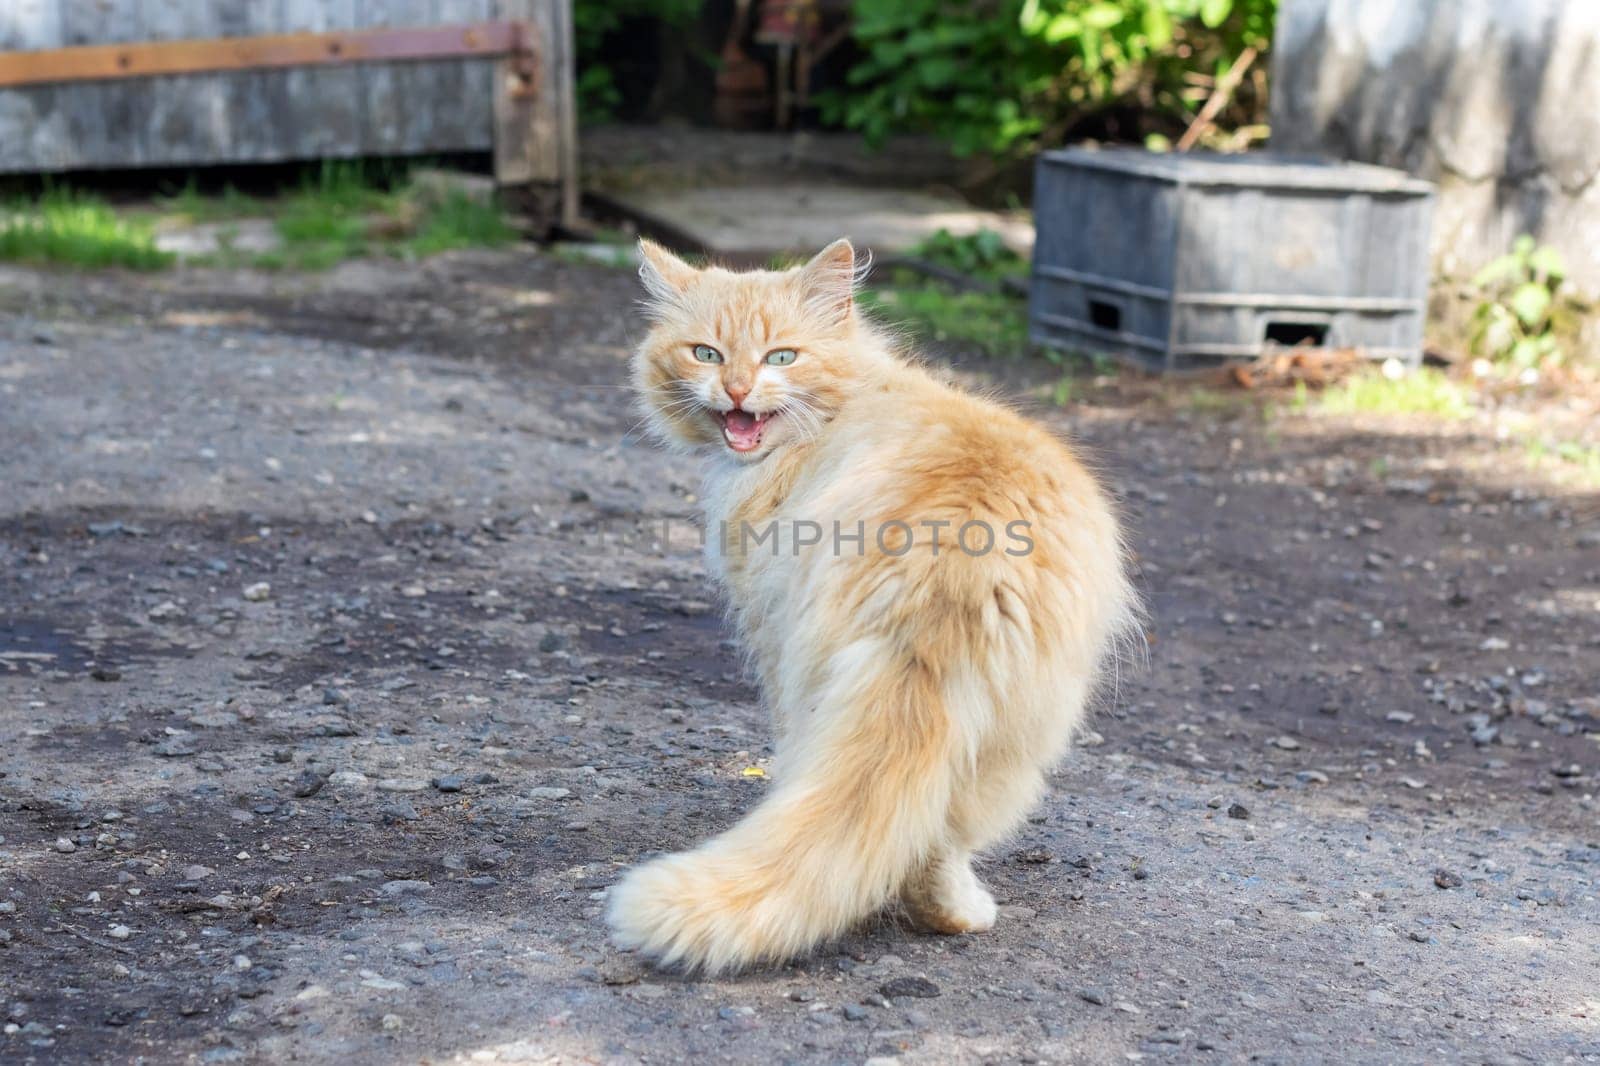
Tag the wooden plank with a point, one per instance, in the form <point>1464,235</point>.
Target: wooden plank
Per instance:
<point>399,108</point>
<point>184,117</point>
<point>391,90</point>
<point>30,24</point>
<point>247,112</point>
<point>527,141</point>
<point>135,59</point>
<point>32,126</point>
<point>92,121</point>
<point>564,61</point>
<point>323,111</point>
<point>461,92</point>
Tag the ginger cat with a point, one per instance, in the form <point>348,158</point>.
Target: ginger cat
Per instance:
<point>920,686</point>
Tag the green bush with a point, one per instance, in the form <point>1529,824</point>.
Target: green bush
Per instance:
<point>1515,320</point>
<point>999,76</point>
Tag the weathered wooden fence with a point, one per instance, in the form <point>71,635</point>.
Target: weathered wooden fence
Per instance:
<point>93,84</point>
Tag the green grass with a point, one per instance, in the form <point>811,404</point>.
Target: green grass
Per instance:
<point>343,210</point>
<point>72,229</point>
<point>1419,392</point>
<point>329,217</point>
<point>1568,456</point>
<point>995,323</point>
<point>190,205</point>
<point>459,221</point>
<point>338,211</point>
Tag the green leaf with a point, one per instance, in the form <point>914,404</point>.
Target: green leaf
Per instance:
<point>1157,24</point>
<point>1061,28</point>
<point>1032,19</point>
<point>1215,12</point>
<point>1102,16</point>
<point>1547,261</point>
<point>1531,302</point>
<point>1498,270</point>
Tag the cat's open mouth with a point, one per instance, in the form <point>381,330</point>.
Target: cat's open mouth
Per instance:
<point>742,429</point>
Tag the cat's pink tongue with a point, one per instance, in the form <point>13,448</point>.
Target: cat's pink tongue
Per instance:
<point>742,430</point>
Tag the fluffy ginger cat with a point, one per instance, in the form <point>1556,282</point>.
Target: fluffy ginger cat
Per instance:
<point>920,687</point>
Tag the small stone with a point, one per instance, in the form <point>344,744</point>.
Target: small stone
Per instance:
<point>1400,717</point>
<point>382,984</point>
<point>1285,743</point>
<point>177,747</point>
<point>309,783</point>
<point>854,1013</point>
<point>1446,878</point>
<point>1096,996</point>
<point>164,610</point>
<point>119,932</point>
<point>909,988</point>
<point>105,673</point>
<point>197,872</point>
<point>1239,811</point>
<point>65,846</point>
<point>399,811</point>
<point>392,1022</point>
<point>449,782</point>
<point>544,792</point>
<point>257,592</point>
<point>402,784</point>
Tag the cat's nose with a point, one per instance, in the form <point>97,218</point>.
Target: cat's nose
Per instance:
<point>736,394</point>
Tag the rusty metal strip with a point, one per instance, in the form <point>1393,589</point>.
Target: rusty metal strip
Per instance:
<point>102,62</point>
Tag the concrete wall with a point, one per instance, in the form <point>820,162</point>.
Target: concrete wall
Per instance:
<point>1496,100</point>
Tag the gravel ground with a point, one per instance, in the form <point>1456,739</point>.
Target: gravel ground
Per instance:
<point>351,645</point>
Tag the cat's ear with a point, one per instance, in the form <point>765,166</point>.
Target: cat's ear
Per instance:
<point>829,280</point>
<point>665,276</point>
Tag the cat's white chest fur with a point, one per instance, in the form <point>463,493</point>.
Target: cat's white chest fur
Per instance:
<point>764,556</point>
<point>725,485</point>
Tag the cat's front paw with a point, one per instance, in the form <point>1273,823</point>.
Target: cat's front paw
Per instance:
<point>677,913</point>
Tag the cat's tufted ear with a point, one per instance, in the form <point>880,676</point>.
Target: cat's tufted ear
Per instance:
<point>829,280</point>
<point>665,276</point>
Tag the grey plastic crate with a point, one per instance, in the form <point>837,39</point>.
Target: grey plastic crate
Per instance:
<point>1180,261</point>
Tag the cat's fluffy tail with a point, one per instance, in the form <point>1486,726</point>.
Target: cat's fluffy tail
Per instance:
<point>864,804</point>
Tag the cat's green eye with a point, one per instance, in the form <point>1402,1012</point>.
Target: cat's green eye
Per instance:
<point>707,354</point>
<point>781,357</point>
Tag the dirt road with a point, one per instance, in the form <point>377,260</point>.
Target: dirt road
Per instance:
<point>341,673</point>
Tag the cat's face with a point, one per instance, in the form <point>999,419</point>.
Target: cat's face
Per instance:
<point>745,363</point>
